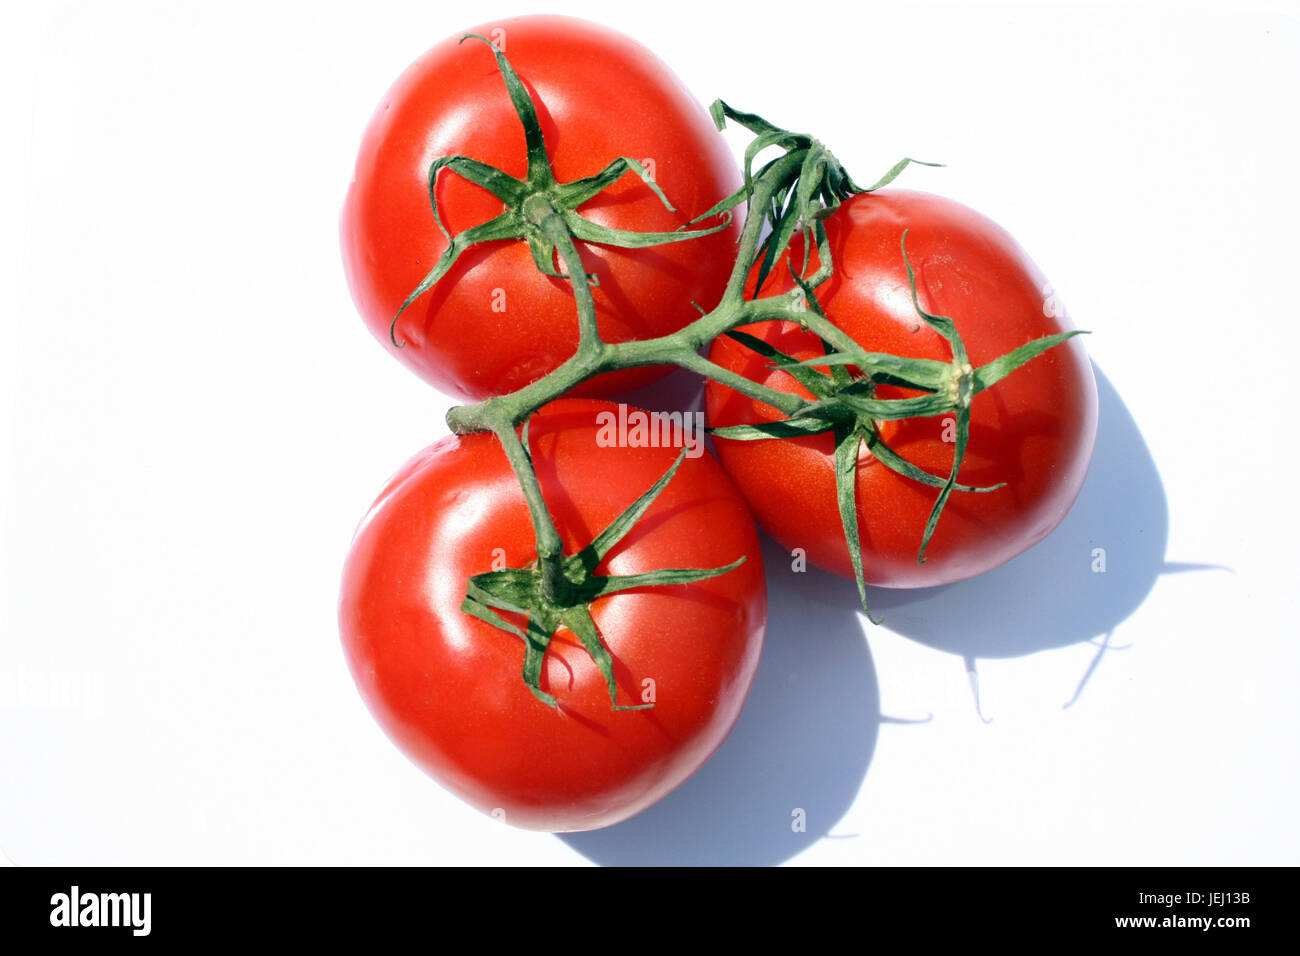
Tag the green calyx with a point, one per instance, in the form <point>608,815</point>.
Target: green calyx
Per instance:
<point>538,209</point>
<point>551,601</point>
<point>808,184</point>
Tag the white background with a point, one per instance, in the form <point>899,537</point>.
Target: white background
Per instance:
<point>192,419</point>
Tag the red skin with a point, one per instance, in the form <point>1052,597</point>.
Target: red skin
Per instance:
<point>601,96</point>
<point>447,687</point>
<point>1033,430</point>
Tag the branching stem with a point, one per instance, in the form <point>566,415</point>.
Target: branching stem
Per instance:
<point>791,195</point>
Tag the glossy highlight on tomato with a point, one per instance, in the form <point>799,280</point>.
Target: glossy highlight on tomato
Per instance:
<point>446,686</point>
<point>494,323</point>
<point>1033,430</point>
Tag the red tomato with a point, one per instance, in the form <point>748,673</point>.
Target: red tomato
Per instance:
<point>447,687</point>
<point>495,323</point>
<point>1033,430</point>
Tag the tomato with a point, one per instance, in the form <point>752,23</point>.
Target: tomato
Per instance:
<point>495,323</point>
<point>1033,430</point>
<point>447,686</point>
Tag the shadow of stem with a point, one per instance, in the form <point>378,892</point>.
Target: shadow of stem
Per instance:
<point>1078,584</point>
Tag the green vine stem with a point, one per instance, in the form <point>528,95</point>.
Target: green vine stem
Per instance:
<point>789,195</point>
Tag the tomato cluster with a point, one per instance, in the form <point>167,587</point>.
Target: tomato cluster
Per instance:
<point>560,627</point>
